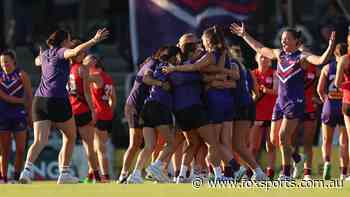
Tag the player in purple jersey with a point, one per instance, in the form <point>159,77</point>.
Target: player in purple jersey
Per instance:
<point>289,106</point>
<point>10,99</point>
<point>156,114</point>
<point>244,117</point>
<point>189,110</point>
<point>213,43</point>
<point>15,117</point>
<point>51,104</point>
<point>205,132</point>
<point>332,115</point>
<point>132,109</point>
<point>221,107</point>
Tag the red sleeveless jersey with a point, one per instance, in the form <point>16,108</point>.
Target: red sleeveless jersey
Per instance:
<point>100,96</point>
<point>76,91</point>
<point>264,104</point>
<point>346,84</point>
<point>310,80</point>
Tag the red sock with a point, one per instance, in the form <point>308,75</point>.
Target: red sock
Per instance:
<point>327,159</point>
<point>105,177</point>
<point>270,173</point>
<point>90,176</point>
<point>210,169</point>
<point>307,171</point>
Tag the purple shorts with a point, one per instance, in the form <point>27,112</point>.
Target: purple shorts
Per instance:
<point>332,113</point>
<point>13,125</point>
<point>290,110</point>
<point>218,114</point>
<point>220,108</point>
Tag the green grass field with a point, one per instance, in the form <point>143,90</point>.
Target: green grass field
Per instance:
<point>316,169</point>
<point>50,189</point>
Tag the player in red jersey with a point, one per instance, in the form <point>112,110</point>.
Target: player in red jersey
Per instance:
<point>82,107</point>
<point>342,80</point>
<point>267,85</point>
<point>104,101</point>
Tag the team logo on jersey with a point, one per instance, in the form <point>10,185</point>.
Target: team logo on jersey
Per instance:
<point>13,86</point>
<point>287,68</point>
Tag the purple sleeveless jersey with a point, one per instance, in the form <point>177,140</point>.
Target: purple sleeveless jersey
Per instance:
<point>290,100</point>
<point>12,85</point>
<point>157,93</point>
<point>332,108</point>
<point>186,89</point>
<point>220,101</point>
<point>140,90</point>
<point>55,74</point>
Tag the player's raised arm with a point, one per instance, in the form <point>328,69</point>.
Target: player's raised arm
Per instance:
<point>100,35</point>
<point>319,60</point>
<point>254,44</point>
<point>343,62</point>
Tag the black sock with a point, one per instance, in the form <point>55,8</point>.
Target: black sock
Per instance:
<point>228,171</point>
<point>296,157</point>
<point>234,165</point>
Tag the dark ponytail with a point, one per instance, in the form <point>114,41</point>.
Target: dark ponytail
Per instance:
<point>99,63</point>
<point>9,53</point>
<point>56,38</point>
<point>169,52</point>
<point>220,35</point>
